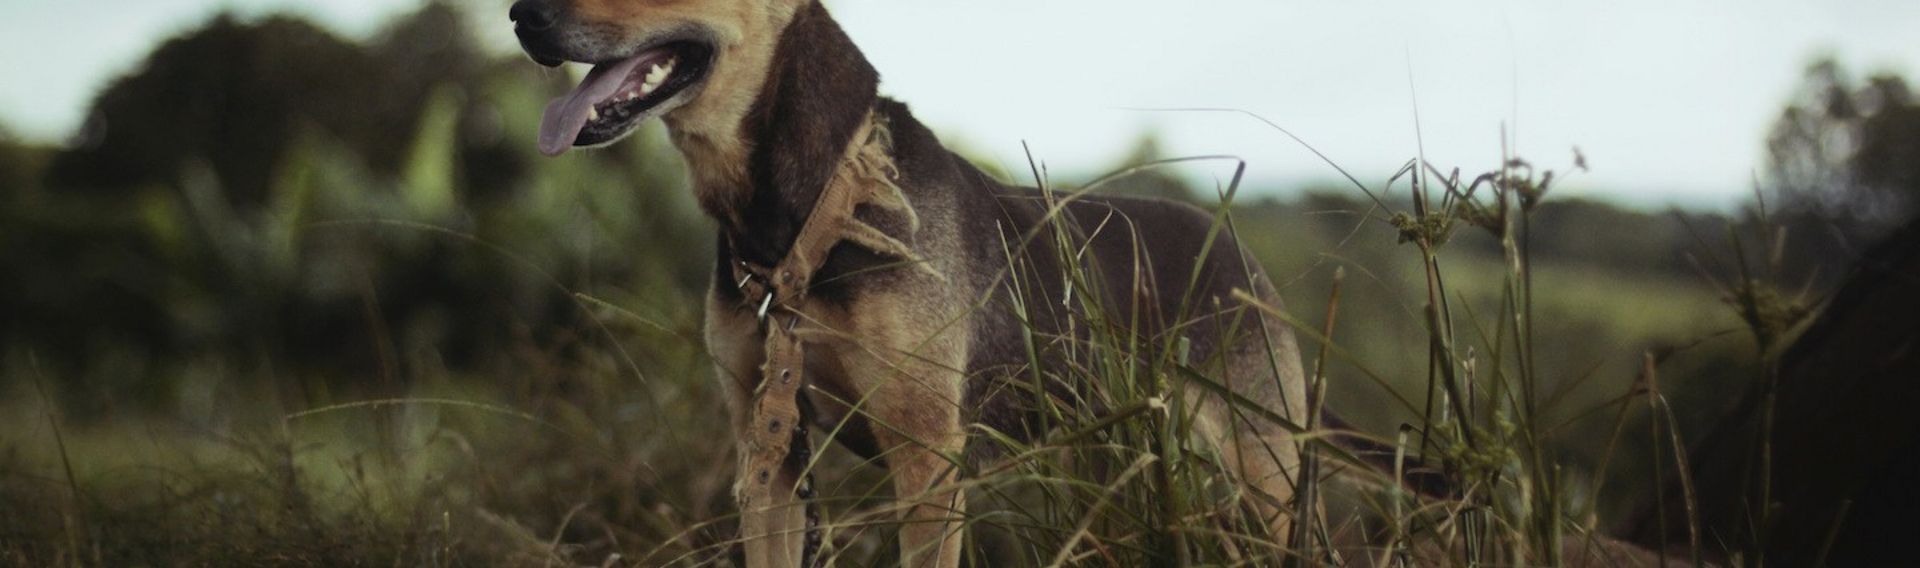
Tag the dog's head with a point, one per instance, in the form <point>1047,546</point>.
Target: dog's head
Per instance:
<point>701,60</point>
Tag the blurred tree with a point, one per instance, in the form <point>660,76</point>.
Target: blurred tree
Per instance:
<point>1588,232</point>
<point>1844,171</point>
<point>430,48</point>
<point>20,167</point>
<point>1844,163</point>
<point>219,206</point>
<point>235,95</point>
<point>230,95</point>
<point>1888,160</point>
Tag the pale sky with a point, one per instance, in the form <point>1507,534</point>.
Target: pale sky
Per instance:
<point>1669,99</point>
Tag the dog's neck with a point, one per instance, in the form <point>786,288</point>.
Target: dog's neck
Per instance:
<point>760,178</point>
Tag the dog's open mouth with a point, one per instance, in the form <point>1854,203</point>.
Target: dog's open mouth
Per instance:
<point>618,95</point>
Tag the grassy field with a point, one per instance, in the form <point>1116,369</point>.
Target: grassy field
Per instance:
<point>602,440</point>
<point>469,356</point>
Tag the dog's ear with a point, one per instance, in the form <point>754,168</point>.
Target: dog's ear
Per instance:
<point>818,91</point>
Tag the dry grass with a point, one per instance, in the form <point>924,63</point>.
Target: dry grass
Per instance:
<point>611,452</point>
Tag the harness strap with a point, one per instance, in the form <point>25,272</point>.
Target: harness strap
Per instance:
<point>865,177</point>
<point>778,429</point>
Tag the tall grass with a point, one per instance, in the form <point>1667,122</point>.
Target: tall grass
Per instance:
<point>600,446</point>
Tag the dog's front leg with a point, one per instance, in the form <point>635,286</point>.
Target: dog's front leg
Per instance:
<point>926,445</point>
<point>914,407</point>
<point>772,533</point>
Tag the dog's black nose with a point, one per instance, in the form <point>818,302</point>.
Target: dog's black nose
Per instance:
<point>533,15</point>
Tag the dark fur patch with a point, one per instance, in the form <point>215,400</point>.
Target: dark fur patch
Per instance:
<point>818,91</point>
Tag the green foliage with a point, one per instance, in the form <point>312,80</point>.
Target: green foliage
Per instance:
<point>1841,172</point>
<point>294,299</point>
<point>1845,147</point>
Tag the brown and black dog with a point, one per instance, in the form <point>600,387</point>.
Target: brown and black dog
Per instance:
<point>911,336</point>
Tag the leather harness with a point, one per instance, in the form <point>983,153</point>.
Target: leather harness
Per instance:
<point>777,429</point>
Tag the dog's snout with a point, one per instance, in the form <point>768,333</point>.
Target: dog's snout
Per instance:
<point>534,21</point>
<point>533,15</point>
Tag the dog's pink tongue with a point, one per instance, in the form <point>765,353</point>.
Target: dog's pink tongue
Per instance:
<point>565,116</point>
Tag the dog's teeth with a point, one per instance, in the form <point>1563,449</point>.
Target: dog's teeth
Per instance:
<point>593,114</point>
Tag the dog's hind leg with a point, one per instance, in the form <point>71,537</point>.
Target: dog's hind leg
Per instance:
<point>1263,367</point>
<point>1267,460</point>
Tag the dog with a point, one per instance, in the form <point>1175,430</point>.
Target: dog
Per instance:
<point>910,260</point>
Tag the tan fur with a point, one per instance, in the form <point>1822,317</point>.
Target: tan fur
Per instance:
<point>883,362</point>
<point>895,355</point>
<point>896,359</point>
<point>1262,454</point>
<point>865,177</point>
<point>904,375</point>
<point>707,129</point>
<point>900,354</point>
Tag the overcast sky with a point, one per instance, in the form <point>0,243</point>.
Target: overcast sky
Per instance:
<point>1669,99</point>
